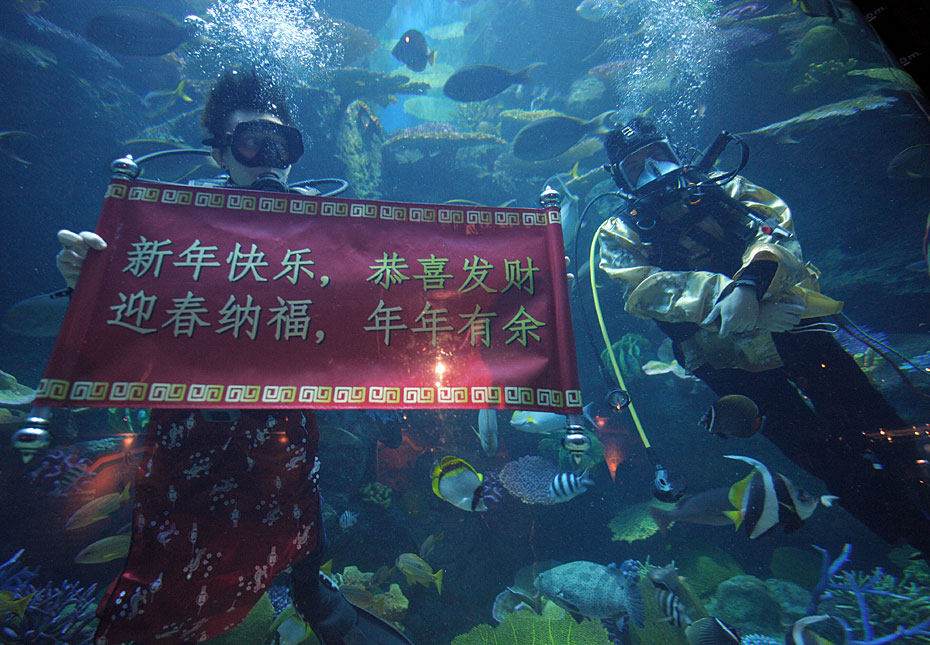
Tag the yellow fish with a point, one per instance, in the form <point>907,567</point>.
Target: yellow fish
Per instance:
<point>418,571</point>
<point>109,548</point>
<point>455,481</point>
<point>98,509</point>
<point>10,604</point>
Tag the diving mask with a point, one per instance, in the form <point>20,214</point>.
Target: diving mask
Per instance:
<point>647,164</point>
<point>262,144</point>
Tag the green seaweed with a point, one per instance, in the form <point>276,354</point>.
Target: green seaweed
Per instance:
<point>526,628</point>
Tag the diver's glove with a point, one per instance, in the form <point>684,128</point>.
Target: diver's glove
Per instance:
<point>737,310</point>
<point>780,316</point>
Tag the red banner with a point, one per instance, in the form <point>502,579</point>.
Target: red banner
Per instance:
<point>219,298</point>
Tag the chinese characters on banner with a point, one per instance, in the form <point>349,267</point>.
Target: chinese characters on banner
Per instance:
<point>219,298</point>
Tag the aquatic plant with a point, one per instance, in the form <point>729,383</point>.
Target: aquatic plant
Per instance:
<point>861,601</point>
<point>522,627</point>
<point>55,614</point>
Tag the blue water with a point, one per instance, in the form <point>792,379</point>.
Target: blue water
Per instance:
<point>692,72</point>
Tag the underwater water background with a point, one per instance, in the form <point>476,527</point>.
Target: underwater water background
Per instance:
<point>695,66</point>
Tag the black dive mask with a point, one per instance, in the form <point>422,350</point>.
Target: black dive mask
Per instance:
<point>262,144</point>
<point>646,168</point>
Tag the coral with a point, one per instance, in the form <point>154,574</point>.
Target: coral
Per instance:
<point>633,523</point>
<point>351,83</point>
<point>759,639</point>
<point>511,121</point>
<point>746,602</point>
<point>828,73</point>
<point>435,141</point>
<point>392,604</point>
<point>358,145</point>
<point>793,598</point>
<point>704,572</point>
<point>377,493</point>
<point>528,479</point>
<point>629,352</point>
<point>254,629</point>
<point>520,628</point>
<point>62,614</point>
<point>797,565</point>
<point>861,601</point>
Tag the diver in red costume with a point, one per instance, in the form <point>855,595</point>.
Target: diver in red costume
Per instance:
<point>225,500</point>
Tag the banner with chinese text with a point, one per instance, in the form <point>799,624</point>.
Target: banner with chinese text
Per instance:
<point>219,298</point>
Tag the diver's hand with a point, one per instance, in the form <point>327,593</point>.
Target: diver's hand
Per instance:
<point>738,312</point>
<point>74,248</point>
<point>780,316</point>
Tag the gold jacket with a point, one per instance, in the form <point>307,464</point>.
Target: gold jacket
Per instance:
<point>689,296</point>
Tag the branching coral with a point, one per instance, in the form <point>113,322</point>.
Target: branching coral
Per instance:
<point>524,627</point>
<point>861,601</point>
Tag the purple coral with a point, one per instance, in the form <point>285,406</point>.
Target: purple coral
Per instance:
<point>492,490</point>
<point>528,478</point>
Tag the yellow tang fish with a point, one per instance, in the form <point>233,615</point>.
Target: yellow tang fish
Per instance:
<point>109,548</point>
<point>455,481</point>
<point>10,604</point>
<point>417,570</point>
<point>98,509</point>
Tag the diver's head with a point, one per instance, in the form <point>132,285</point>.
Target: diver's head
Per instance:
<point>639,156</point>
<point>250,127</point>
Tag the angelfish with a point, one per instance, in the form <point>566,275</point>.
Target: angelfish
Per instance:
<point>457,482</point>
<point>763,501</point>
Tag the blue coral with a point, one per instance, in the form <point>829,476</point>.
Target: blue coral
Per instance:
<point>759,639</point>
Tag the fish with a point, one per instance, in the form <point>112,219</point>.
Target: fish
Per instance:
<point>97,509</point>
<point>347,520</point>
<point>549,137</point>
<point>171,95</point>
<point>413,51</point>
<point>799,635</point>
<point>11,604</point>
<point>418,571</point>
<point>137,31</point>
<point>481,82</point>
<point>711,631</point>
<point>457,482</point>
<point>567,486</point>
<point>327,568</point>
<point>598,10</point>
<point>819,9</point>
<point>733,415</point>
<point>538,422</point>
<point>44,26</point>
<point>666,578</point>
<point>823,116</point>
<point>594,591</point>
<point>114,547</point>
<point>358,596</point>
<point>39,316</point>
<point>763,501</point>
<point>743,11</point>
<point>708,507</point>
<point>430,543</point>
<point>381,575</point>
<point>7,145</point>
<point>910,163</point>
<point>672,608</point>
<point>487,431</point>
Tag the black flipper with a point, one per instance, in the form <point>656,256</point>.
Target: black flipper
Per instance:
<point>373,630</point>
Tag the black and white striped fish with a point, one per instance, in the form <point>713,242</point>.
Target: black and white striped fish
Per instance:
<point>566,486</point>
<point>672,608</point>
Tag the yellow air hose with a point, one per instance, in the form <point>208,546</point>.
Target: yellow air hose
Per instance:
<point>610,349</point>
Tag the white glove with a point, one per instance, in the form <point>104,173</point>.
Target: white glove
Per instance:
<point>74,248</point>
<point>780,316</point>
<point>737,312</point>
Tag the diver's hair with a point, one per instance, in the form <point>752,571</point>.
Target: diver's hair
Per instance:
<point>243,89</point>
<point>621,141</point>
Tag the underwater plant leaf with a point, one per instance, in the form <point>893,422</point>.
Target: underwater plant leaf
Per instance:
<point>525,627</point>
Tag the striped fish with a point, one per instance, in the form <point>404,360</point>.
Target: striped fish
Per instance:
<point>566,486</point>
<point>674,611</point>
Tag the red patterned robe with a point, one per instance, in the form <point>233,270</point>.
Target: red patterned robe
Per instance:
<point>220,508</point>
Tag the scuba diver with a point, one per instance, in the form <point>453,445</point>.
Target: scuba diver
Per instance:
<point>220,509</point>
<point>714,260</point>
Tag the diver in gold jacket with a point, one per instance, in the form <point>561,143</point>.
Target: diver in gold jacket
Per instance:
<point>714,260</point>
